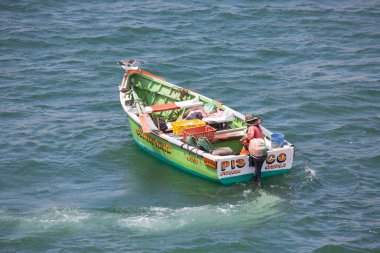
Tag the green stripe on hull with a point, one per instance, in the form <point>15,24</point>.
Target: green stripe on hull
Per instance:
<point>273,173</point>
<point>237,179</point>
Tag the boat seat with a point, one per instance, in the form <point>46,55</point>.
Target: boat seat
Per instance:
<point>228,136</point>
<point>221,119</point>
<point>174,106</point>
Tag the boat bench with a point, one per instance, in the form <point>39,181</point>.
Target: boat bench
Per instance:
<point>221,119</point>
<point>174,106</point>
<point>170,106</point>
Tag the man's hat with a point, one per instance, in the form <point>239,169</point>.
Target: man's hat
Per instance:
<point>253,119</point>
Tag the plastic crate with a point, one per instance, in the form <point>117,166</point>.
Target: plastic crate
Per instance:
<point>199,132</point>
<point>179,126</point>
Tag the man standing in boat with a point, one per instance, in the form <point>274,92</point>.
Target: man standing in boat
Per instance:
<point>253,131</point>
<point>254,144</point>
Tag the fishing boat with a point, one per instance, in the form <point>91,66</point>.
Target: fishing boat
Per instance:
<point>192,132</point>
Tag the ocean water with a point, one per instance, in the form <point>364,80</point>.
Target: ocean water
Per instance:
<point>72,180</point>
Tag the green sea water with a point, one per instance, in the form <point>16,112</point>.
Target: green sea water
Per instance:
<point>72,179</point>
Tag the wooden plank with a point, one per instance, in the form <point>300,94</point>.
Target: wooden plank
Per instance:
<point>144,124</point>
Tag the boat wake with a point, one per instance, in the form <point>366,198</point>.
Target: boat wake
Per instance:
<point>249,210</point>
<point>311,174</point>
<point>254,207</point>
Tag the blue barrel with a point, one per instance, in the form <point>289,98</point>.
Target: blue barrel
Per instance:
<point>277,140</point>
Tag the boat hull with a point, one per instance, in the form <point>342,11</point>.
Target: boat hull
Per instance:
<point>196,164</point>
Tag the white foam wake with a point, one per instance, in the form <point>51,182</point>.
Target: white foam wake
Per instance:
<point>310,173</point>
<point>159,219</point>
<point>253,207</point>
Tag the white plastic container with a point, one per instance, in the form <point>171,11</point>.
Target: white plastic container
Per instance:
<point>257,147</point>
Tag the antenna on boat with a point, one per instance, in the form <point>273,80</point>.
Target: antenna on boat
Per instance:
<point>130,64</point>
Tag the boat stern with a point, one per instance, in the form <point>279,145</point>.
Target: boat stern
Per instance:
<point>234,169</point>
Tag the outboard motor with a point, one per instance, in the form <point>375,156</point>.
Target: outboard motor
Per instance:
<point>257,155</point>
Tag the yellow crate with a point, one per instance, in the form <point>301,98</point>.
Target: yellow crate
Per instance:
<point>179,126</point>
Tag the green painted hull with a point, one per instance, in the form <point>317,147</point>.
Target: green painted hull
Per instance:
<point>180,158</point>
<point>173,155</point>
